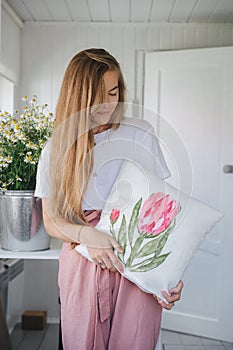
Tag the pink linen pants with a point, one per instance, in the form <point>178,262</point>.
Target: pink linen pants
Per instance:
<point>101,310</point>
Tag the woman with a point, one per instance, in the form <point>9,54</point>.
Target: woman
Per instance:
<point>99,308</point>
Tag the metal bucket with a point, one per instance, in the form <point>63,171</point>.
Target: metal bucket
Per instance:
<point>21,223</point>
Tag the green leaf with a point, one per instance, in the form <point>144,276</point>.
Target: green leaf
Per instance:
<point>156,245</point>
<point>149,248</point>
<point>134,250</point>
<point>142,262</point>
<point>134,220</point>
<point>155,262</point>
<point>163,239</point>
<point>122,234</point>
<point>162,243</point>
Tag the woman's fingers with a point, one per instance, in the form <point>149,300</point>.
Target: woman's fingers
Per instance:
<point>105,258</point>
<point>99,263</point>
<point>177,289</point>
<point>168,305</point>
<point>108,264</point>
<point>171,297</point>
<point>115,261</point>
<point>111,261</point>
<point>101,247</point>
<point>105,264</point>
<point>116,245</point>
<point>164,305</point>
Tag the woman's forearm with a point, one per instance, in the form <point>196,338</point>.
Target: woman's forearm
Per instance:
<point>59,228</point>
<point>100,244</point>
<point>68,232</point>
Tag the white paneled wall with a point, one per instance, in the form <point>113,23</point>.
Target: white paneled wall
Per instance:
<point>10,48</point>
<point>47,49</point>
<point>6,95</point>
<point>41,288</point>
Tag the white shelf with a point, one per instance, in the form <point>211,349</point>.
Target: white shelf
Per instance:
<point>51,254</point>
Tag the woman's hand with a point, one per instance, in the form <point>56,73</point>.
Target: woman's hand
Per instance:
<point>173,296</point>
<point>101,247</point>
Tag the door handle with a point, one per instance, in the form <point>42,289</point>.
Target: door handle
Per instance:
<point>228,169</point>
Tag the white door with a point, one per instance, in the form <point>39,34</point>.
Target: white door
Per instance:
<point>192,92</point>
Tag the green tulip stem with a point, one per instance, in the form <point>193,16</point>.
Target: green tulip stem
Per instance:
<point>112,231</point>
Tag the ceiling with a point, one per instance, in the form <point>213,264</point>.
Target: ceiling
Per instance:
<point>146,11</point>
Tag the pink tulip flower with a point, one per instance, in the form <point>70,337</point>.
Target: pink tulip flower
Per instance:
<point>157,213</point>
<point>114,216</point>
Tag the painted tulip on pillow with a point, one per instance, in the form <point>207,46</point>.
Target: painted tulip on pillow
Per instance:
<point>114,216</point>
<point>147,231</point>
<point>115,213</point>
<point>157,213</point>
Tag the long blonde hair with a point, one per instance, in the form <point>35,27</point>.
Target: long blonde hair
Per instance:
<point>71,159</point>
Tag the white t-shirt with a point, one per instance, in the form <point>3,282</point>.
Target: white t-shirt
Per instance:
<point>134,140</point>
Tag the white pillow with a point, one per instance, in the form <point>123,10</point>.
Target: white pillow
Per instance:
<point>175,222</point>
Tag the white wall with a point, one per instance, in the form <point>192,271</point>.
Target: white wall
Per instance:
<point>46,51</point>
<point>10,40</point>
<point>40,287</point>
<point>10,47</point>
<point>6,95</point>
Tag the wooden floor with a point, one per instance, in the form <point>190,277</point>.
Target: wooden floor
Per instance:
<point>48,340</point>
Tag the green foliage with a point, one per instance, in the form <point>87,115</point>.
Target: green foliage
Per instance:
<point>22,137</point>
